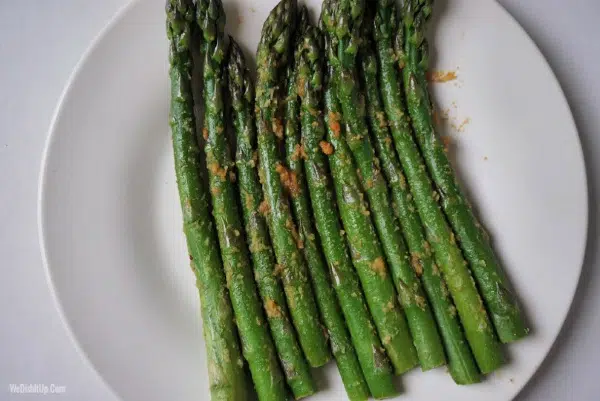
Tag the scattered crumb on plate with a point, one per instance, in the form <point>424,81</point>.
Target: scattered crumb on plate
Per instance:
<point>441,76</point>
<point>461,126</point>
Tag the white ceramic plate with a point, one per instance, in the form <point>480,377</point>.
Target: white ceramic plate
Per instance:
<point>110,224</point>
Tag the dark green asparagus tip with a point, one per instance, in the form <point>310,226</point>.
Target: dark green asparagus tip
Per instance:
<point>329,41</point>
<point>327,21</point>
<point>416,14</point>
<point>385,21</point>
<point>235,70</point>
<point>211,18</point>
<point>342,19</point>
<point>181,10</point>
<point>303,21</point>
<point>308,52</point>
<point>278,27</point>
<point>416,9</point>
<point>240,84</point>
<point>179,14</point>
<point>274,50</point>
<point>310,44</point>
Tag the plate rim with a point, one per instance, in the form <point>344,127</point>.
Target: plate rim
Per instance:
<point>51,135</point>
<point>120,15</point>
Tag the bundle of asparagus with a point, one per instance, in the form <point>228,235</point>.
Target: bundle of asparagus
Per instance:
<point>339,228</point>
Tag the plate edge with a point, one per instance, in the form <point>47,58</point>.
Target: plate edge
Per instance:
<point>43,174</point>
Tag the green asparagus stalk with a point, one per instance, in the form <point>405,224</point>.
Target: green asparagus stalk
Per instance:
<point>257,346</point>
<point>272,59</point>
<point>225,363</point>
<point>493,284</point>
<point>365,248</point>
<point>241,93</point>
<point>309,73</point>
<point>473,316</point>
<point>416,307</point>
<point>461,364</point>
<point>374,363</point>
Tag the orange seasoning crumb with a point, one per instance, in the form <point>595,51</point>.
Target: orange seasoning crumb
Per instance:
<point>381,119</point>
<point>420,301</point>
<point>378,266</point>
<point>301,86</point>
<point>334,124</point>
<point>272,308</point>
<point>440,76</point>
<point>277,128</point>
<point>205,133</point>
<point>299,153</point>
<point>264,208</point>
<point>415,261</point>
<point>461,126</point>
<point>288,179</point>
<point>278,269</point>
<point>289,224</point>
<point>326,147</point>
<point>217,170</point>
<point>222,173</point>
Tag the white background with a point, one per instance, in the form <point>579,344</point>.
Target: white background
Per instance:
<point>40,43</point>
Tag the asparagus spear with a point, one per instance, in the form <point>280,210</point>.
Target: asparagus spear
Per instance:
<point>256,341</point>
<point>225,363</point>
<point>493,284</point>
<point>461,364</point>
<point>374,363</point>
<point>478,329</point>
<point>420,318</point>
<point>309,73</point>
<point>365,247</point>
<point>272,59</point>
<point>366,250</point>
<point>241,93</point>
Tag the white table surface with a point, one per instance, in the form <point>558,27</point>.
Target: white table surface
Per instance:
<point>40,43</point>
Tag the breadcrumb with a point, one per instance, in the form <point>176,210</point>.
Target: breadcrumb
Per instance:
<point>272,309</point>
<point>326,147</point>
<point>334,124</point>
<point>378,266</point>
<point>288,179</point>
<point>440,76</point>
